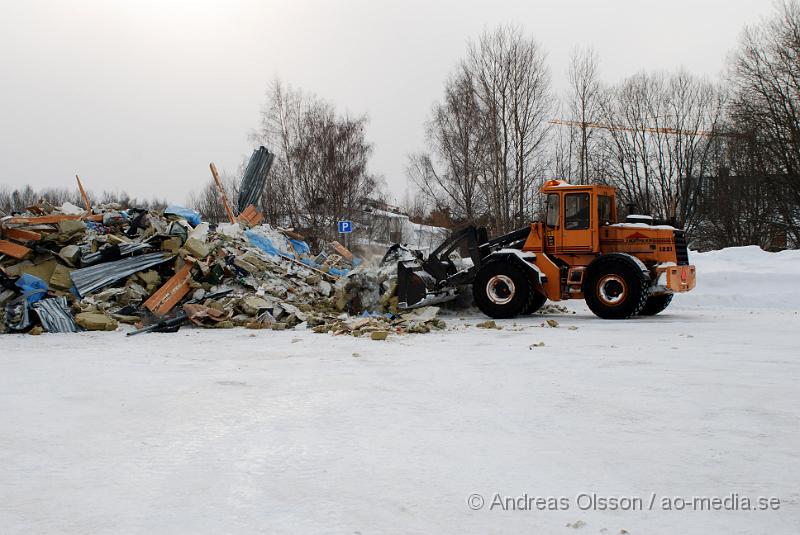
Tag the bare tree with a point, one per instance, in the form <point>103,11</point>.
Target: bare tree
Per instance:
<point>765,74</point>
<point>450,176</point>
<point>512,85</point>
<point>488,137</point>
<point>208,200</point>
<point>20,199</point>
<point>584,103</point>
<point>659,141</point>
<point>320,173</point>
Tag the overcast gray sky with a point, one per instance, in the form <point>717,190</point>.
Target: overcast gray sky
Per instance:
<point>141,95</point>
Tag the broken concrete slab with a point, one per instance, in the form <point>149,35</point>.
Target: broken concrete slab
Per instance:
<point>172,245</point>
<point>42,269</point>
<point>196,248</point>
<point>149,277</point>
<point>71,254</point>
<point>254,305</point>
<point>421,314</point>
<point>95,321</point>
<point>60,278</point>
<point>69,227</point>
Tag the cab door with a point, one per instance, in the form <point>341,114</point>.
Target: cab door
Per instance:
<point>577,228</point>
<point>552,223</point>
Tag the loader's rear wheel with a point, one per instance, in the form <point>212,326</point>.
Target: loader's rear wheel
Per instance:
<point>656,304</point>
<point>501,290</point>
<point>536,302</point>
<point>615,288</point>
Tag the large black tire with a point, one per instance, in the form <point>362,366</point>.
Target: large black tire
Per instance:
<point>502,290</point>
<point>615,288</point>
<point>655,304</point>
<point>536,302</point>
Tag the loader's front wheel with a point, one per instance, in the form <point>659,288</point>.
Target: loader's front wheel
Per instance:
<point>501,290</point>
<point>615,289</point>
<point>656,304</point>
<point>536,302</point>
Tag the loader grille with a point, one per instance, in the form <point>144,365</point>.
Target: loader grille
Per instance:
<point>681,251</point>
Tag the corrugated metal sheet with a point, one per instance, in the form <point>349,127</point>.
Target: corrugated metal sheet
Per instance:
<point>87,280</point>
<point>125,249</point>
<point>55,315</point>
<point>255,176</point>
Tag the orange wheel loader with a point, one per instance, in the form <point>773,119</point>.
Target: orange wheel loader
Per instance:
<point>578,252</point>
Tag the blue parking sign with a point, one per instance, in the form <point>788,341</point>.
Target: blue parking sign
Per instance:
<point>345,227</point>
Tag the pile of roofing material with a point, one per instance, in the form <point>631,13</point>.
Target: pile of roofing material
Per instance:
<point>65,270</point>
<point>254,179</point>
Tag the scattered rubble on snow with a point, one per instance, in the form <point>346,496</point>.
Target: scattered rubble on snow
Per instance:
<point>65,271</point>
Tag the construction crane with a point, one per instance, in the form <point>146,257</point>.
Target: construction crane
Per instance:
<point>650,129</point>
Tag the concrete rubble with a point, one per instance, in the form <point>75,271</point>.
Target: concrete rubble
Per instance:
<point>70,268</point>
<point>65,270</point>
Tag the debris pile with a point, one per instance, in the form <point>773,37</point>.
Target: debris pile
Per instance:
<point>64,269</point>
<point>131,266</point>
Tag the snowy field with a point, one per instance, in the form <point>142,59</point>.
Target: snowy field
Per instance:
<point>294,432</point>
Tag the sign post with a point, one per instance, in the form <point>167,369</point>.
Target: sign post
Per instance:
<point>346,228</point>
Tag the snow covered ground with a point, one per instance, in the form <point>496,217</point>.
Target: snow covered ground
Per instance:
<point>294,432</point>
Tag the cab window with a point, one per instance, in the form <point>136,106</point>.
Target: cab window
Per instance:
<point>604,209</point>
<point>553,201</point>
<point>576,211</point>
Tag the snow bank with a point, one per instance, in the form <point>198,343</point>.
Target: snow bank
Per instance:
<point>745,277</point>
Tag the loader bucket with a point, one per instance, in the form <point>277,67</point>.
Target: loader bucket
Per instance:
<point>412,283</point>
<point>416,287</point>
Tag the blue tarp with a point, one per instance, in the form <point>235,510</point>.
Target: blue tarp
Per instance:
<point>192,216</point>
<point>266,245</point>
<point>262,242</point>
<point>34,286</point>
<point>300,246</point>
<point>338,272</point>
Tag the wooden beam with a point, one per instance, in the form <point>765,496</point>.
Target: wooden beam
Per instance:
<point>343,251</point>
<point>50,219</point>
<point>42,219</point>
<point>222,193</point>
<point>20,234</point>
<point>172,291</point>
<point>251,216</point>
<point>13,250</point>
<point>86,202</point>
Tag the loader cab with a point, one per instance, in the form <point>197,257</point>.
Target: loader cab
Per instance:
<point>574,215</point>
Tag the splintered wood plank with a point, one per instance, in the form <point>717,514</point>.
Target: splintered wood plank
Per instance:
<point>41,219</point>
<point>248,212</point>
<point>222,193</point>
<point>13,250</point>
<point>50,219</point>
<point>85,197</point>
<point>251,216</point>
<point>256,220</point>
<point>343,251</point>
<point>171,292</point>
<point>21,234</point>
